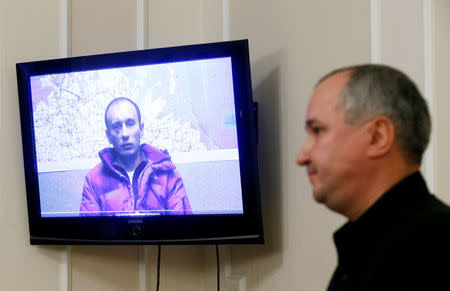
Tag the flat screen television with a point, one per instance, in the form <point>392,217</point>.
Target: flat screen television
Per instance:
<point>154,146</point>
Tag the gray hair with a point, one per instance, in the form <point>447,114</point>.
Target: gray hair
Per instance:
<point>381,90</point>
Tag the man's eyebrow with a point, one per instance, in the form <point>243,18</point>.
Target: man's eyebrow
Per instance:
<point>310,122</point>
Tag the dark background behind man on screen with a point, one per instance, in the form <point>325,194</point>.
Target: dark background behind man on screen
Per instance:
<point>368,127</point>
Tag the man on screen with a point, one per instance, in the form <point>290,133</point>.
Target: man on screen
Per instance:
<point>131,178</point>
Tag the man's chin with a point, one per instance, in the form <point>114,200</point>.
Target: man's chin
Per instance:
<point>318,196</point>
<point>127,153</point>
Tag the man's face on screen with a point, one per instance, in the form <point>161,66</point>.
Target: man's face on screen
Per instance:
<point>123,129</point>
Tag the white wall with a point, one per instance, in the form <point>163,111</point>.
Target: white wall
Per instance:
<point>292,43</point>
<point>441,71</point>
<point>22,267</point>
<point>406,43</point>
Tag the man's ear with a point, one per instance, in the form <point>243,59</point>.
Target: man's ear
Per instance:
<point>107,136</point>
<point>382,136</point>
<point>142,128</point>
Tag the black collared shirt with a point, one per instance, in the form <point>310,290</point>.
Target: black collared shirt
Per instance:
<point>401,243</point>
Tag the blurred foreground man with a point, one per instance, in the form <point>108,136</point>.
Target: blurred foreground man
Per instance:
<point>368,127</point>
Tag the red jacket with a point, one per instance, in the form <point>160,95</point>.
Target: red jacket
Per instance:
<point>158,188</point>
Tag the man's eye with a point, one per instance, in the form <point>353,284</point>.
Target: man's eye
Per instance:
<point>316,130</point>
<point>116,126</point>
<point>130,123</point>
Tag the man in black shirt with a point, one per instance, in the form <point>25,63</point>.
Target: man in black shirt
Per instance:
<point>368,127</point>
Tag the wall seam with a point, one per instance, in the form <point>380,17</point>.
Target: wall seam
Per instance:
<point>143,268</point>
<point>375,45</point>
<point>429,158</point>
<point>225,20</point>
<point>226,250</point>
<point>141,24</point>
<point>65,264</point>
<point>142,43</point>
<point>64,28</point>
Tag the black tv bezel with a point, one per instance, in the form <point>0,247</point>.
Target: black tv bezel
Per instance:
<point>190,229</point>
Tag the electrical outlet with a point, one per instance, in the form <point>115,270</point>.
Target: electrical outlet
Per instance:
<point>236,283</point>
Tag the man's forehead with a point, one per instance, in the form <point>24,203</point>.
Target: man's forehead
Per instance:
<point>325,96</point>
<point>121,108</point>
<point>332,86</point>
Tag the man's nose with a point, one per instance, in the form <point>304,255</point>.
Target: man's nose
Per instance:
<point>303,157</point>
<point>125,132</point>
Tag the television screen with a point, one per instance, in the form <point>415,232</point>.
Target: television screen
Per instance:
<point>144,147</point>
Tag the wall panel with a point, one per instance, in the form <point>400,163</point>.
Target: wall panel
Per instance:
<point>108,26</point>
<point>25,35</point>
<point>173,22</point>
<point>102,26</point>
<point>292,44</point>
<point>182,268</point>
<point>441,63</point>
<point>403,44</point>
<point>212,20</point>
<point>112,268</point>
<point>402,41</point>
